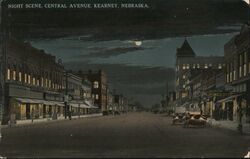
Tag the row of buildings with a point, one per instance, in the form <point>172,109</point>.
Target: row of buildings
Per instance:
<point>218,86</point>
<point>34,85</point>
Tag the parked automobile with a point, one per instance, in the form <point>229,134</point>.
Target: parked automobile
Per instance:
<point>117,113</point>
<point>196,120</point>
<point>179,115</point>
<point>105,113</point>
<point>179,118</point>
<point>110,112</point>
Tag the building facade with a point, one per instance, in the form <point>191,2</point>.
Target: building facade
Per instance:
<point>33,84</point>
<point>189,66</point>
<point>237,57</point>
<point>99,88</point>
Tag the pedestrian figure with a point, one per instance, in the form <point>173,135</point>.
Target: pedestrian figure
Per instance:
<point>32,115</point>
<point>240,119</point>
<point>70,115</point>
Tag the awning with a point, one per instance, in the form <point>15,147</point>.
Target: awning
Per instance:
<point>39,101</point>
<point>94,107</point>
<point>185,104</point>
<point>87,103</point>
<point>228,99</point>
<point>27,100</point>
<point>45,102</point>
<point>59,104</point>
<point>76,105</point>
<point>83,105</point>
<point>90,105</point>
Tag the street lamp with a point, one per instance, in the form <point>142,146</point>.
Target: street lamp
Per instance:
<point>66,97</point>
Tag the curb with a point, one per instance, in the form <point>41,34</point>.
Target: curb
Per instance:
<point>49,120</point>
<point>220,126</point>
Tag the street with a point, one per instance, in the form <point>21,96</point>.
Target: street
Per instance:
<point>128,135</point>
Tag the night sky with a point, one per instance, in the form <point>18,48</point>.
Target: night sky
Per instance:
<point>105,39</point>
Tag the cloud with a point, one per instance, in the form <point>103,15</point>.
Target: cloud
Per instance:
<point>109,52</point>
<point>161,20</point>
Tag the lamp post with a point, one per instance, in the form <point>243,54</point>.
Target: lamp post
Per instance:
<point>66,98</point>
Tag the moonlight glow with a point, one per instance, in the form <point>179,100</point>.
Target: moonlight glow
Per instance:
<point>247,1</point>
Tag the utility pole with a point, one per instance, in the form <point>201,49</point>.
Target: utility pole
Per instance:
<point>66,97</point>
<point>167,92</point>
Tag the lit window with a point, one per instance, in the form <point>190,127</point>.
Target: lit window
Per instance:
<point>240,71</point>
<point>205,66</point>
<point>96,84</point>
<point>227,78</point>
<point>29,79</point>
<point>230,77</point>
<point>184,67</point>
<point>41,82</point>
<point>187,66</point>
<point>49,83</point>
<point>193,66</point>
<point>8,74</point>
<point>14,75</point>
<point>219,66</point>
<point>198,65</point>
<point>96,97</point>
<point>33,81</point>
<point>25,78</point>
<point>20,76</point>
<point>244,70</point>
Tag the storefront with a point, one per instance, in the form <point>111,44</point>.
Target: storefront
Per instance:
<point>79,108</point>
<point>25,108</point>
<point>229,108</point>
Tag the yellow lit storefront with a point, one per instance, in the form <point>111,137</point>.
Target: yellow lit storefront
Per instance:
<point>23,108</point>
<point>230,106</point>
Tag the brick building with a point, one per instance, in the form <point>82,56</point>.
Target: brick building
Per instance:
<point>237,58</point>
<point>99,87</point>
<point>33,83</point>
<point>189,65</point>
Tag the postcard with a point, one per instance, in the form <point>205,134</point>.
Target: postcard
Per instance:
<point>124,78</point>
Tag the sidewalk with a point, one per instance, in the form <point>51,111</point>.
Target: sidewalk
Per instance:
<point>43,120</point>
<point>231,125</point>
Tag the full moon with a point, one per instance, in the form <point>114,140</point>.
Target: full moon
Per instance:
<point>138,43</point>
<point>247,1</point>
